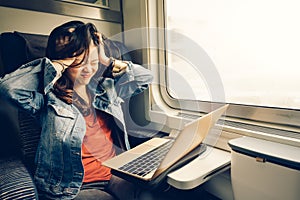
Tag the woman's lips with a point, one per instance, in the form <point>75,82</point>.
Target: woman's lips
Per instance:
<point>86,75</point>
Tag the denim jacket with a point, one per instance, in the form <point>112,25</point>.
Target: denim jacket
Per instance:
<point>59,171</point>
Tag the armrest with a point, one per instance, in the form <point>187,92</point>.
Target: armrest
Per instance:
<point>16,182</point>
<point>201,169</point>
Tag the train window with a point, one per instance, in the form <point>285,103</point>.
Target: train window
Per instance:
<point>239,52</point>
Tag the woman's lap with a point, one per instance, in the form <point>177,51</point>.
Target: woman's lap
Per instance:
<point>117,189</point>
<point>94,194</point>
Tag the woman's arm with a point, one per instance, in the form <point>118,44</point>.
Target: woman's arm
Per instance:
<point>27,86</point>
<point>130,79</point>
<point>134,81</point>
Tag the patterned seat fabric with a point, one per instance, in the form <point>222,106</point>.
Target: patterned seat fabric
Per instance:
<point>15,181</point>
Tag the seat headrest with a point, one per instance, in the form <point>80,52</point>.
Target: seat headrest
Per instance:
<point>18,48</point>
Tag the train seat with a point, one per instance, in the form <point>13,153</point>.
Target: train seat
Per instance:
<point>19,131</point>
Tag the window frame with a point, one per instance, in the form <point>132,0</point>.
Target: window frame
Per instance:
<point>67,8</point>
<point>270,116</point>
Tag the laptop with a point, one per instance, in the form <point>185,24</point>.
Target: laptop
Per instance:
<point>151,158</point>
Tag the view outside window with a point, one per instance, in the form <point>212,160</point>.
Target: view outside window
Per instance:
<point>253,45</point>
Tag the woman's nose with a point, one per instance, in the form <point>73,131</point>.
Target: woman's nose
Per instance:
<point>87,67</point>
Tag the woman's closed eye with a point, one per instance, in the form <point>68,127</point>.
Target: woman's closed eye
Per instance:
<point>94,63</point>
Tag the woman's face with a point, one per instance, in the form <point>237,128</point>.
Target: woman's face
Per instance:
<point>82,74</point>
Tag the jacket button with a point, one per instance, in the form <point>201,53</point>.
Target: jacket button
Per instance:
<point>70,190</point>
<point>76,153</point>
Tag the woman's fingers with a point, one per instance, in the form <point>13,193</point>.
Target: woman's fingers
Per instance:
<point>102,56</point>
<point>65,63</point>
<point>99,35</point>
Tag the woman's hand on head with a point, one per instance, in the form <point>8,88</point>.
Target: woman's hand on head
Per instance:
<point>62,64</point>
<point>118,66</point>
<point>102,56</point>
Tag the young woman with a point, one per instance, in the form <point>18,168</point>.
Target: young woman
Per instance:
<point>76,92</point>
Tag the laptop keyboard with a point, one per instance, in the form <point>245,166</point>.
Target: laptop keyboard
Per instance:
<point>144,164</point>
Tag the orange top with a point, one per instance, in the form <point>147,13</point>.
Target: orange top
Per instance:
<point>97,147</point>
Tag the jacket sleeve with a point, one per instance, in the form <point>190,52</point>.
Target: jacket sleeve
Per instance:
<point>27,86</point>
<point>134,81</point>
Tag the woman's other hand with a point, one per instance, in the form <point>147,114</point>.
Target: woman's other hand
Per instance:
<point>102,56</point>
<point>118,66</point>
<point>62,65</point>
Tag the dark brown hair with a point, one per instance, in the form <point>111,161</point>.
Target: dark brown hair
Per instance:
<point>66,41</point>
